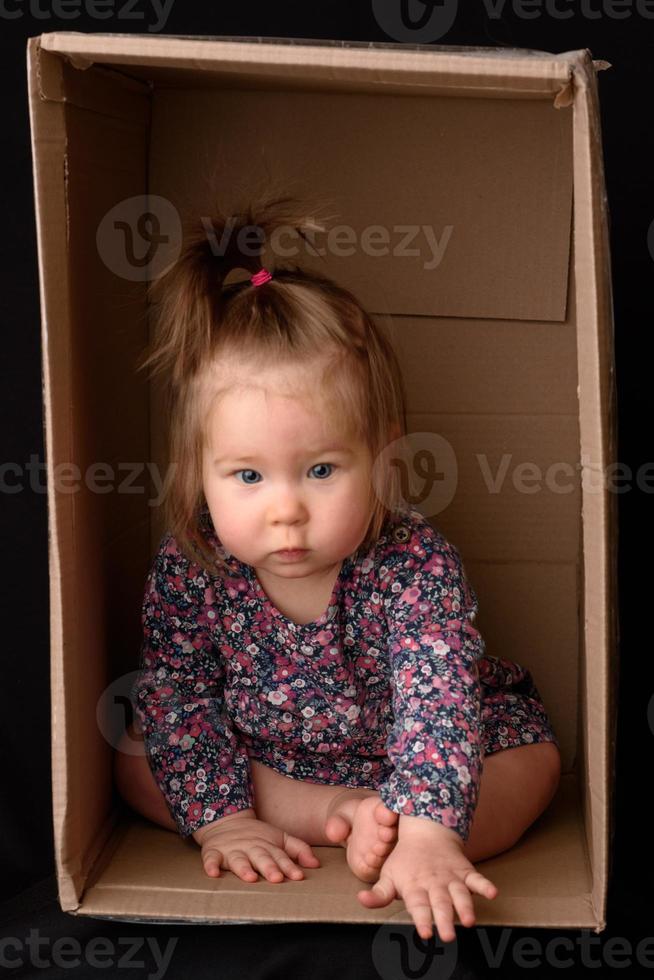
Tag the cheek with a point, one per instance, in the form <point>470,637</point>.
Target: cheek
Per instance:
<point>216,485</point>
<point>229,524</point>
<point>361,487</point>
<point>221,507</point>
<point>352,500</point>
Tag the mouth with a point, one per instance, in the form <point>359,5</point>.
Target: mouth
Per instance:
<point>292,552</point>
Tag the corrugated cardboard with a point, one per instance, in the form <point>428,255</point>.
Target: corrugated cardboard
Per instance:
<point>507,349</point>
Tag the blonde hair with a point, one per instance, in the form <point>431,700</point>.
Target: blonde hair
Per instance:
<point>297,318</point>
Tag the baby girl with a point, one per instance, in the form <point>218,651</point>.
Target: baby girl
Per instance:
<point>310,672</point>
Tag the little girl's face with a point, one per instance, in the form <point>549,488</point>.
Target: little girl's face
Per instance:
<point>276,475</point>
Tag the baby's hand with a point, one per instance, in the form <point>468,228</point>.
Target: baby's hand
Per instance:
<point>429,871</point>
<point>241,842</point>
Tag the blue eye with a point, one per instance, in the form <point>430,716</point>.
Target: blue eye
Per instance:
<point>318,465</point>
<point>247,483</point>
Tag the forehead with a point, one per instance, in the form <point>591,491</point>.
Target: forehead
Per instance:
<point>258,410</point>
<point>233,373</point>
<point>329,395</point>
<point>258,404</point>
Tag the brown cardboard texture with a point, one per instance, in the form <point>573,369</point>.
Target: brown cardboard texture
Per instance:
<point>507,349</point>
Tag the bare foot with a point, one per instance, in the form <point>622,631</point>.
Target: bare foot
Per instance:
<point>361,823</point>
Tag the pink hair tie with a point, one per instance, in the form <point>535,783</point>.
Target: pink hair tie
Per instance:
<point>260,277</point>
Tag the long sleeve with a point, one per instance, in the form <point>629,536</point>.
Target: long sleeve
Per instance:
<point>195,756</point>
<point>434,743</point>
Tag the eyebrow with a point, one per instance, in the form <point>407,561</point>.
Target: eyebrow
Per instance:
<point>253,459</point>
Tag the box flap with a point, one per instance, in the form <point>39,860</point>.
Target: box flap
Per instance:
<point>442,167</point>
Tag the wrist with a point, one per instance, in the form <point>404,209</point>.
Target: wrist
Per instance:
<point>202,833</point>
<point>414,827</point>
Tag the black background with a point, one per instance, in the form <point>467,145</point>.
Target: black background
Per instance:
<point>28,889</point>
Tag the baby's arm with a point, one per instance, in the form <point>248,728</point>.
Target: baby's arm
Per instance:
<point>198,762</point>
<point>434,744</point>
<point>433,650</point>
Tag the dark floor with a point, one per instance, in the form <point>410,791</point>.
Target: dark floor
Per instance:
<point>38,940</point>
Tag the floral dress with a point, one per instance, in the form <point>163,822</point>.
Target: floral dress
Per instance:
<point>390,688</point>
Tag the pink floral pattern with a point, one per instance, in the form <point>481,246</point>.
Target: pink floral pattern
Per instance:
<point>390,688</point>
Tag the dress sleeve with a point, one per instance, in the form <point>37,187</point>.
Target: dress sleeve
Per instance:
<point>434,742</point>
<point>198,762</point>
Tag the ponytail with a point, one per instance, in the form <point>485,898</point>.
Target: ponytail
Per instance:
<point>191,298</point>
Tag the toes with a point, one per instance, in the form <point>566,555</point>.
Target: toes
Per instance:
<point>337,828</point>
<point>366,873</point>
<point>384,816</point>
<point>366,866</point>
<point>387,834</point>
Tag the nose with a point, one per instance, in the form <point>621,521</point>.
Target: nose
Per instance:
<point>288,507</point>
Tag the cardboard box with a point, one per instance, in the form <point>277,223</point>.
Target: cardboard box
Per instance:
<point>507,350</point>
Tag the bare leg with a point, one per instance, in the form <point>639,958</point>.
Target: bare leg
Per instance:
<point>137,785</point>
<point>353,818</point>
<point>302,809</point>
<point>516,786</point>
<point>299,808</point>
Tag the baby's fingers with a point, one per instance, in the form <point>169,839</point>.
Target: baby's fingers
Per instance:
<point>462,902</point>
<point>423,905</point>
<point>212,858</point>
<point>273,863</point>
<point>300,851</point>
<point>242,865</point>
<point>476,882</point>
